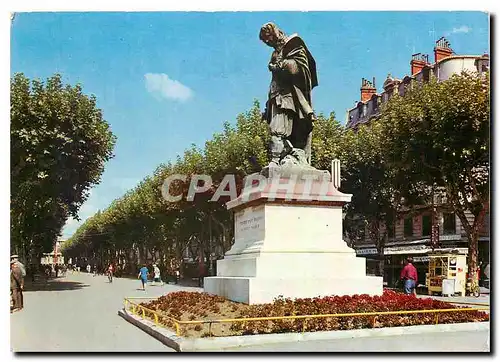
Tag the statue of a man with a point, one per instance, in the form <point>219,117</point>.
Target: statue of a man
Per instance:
<point>289,110</point>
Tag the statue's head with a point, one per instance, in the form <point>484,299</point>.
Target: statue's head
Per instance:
<point>271,34</point>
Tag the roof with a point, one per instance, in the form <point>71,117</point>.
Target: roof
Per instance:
<point>391,79</point>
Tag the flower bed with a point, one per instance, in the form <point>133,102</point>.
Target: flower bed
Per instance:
<point>203,306</point>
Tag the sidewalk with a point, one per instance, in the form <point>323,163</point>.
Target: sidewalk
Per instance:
<point>429,342</point>
<point>483,298</point>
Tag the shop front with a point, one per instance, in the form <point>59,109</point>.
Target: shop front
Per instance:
<point>372,259</point>
<point>394,262</point>
<point>395,255</point>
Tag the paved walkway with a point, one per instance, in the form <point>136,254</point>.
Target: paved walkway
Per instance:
<point>483,299</point>
<point>429,342</point>
<point>79,313</point>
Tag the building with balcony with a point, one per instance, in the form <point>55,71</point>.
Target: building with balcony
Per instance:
<point>411,235</point>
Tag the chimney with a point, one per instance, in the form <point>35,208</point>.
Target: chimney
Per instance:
<point>442,49</point>
<point>418,62</point>
<point>367,89</point>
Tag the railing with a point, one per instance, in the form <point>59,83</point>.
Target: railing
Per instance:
<point>140,310</point>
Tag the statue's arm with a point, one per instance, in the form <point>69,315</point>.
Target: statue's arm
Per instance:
<point>289,65</point>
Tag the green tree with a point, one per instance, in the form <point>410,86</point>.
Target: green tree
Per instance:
<point>370,179</point>
<point>327,142</point>
<point>141,221</point>
<point>59,145</point>
<point>440,135</point>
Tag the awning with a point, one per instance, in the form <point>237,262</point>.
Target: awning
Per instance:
<point>367,251</point>
<point>409,250</point>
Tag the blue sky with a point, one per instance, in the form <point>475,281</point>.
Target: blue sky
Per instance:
<point>167,80</point>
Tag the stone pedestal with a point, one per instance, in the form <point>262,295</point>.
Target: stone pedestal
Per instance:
<point>288,241</point>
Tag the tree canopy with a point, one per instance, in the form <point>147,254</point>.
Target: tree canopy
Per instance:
<point>439,136</point>
<point>59,146</point>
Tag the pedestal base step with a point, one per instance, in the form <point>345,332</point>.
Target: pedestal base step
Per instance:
<point>263,290</point>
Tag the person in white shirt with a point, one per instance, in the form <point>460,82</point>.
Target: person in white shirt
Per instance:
<point>157,277</point>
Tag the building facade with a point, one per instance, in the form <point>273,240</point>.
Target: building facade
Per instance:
<point>446,63</point>
<point>55,257</point>
<point>412,232</point>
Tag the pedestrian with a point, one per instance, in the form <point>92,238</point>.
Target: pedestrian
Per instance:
<point>89,268</point>
<point>110,272</point>
<point>202,273</point>
<point>143,276</point>
<point>95,270</point>
<point>409,277</point>
<point>177,276</point>
<point>16,286</point>
<point>33,272</point>
<point>157,276</point>
<point>487,271</point>
<point>15,259</point>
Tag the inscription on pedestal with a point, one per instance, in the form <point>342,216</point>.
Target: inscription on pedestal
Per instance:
<point>249,225</point>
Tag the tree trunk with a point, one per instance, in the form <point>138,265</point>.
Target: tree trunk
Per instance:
<point>473,238</point>
<point>471,230</point>
<point>473,256</point>
<point>474,244</point>
<point>379,240</point>
<point>381,265</point>
<point>178,252</point>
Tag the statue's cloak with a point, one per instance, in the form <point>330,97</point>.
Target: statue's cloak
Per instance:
<point>293,91</point>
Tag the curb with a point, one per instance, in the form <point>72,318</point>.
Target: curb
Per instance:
<point>165,336</point>
<point>180,344</point>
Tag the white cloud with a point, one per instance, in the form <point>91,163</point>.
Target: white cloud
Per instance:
<point>161,84</point>
<point>70,228</point>
<point>462,29</point>
<point>86,211</point>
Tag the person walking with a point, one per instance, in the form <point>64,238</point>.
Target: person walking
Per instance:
<point>110,272</point>
<point>202,273</point>
<point>409,277</point>
<point>177,276</point>
<point>15,259</point>
<point>16,286</point>
<point>157,274</point>
<point>22,269</point>
<point>143,276</point>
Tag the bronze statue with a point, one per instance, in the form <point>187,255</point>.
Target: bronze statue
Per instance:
<point>289,110</point>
